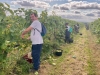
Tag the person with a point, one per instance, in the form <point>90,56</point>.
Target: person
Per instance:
<point>67,26</point>
<point>87,27</point>
<point>37,40</point>
<point>67,33</point>
<point>76,28</point>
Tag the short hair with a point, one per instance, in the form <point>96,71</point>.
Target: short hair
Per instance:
<point>66,23</point>
<point>35,14</point>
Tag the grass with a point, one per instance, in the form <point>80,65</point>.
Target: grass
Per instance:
<point>91,65</point>
<point>60,59</point>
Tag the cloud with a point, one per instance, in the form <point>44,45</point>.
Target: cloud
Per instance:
<point>96,12</point>
<point>74,9</point>
<point>98,15</point>
<point>84,5</point>
<point>77,12</point>
<point>69,0</point>
<point>46,0</point>
<point>73,16</point>
<point>62,6</point>
<point>78,5</point>
<point>55,6</point>
<point>29,3</point>
<point>79,18</point>
<point>90,14</point>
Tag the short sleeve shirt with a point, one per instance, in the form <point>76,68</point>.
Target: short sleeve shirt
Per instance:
<point>68,27</point>
<point>35,35</point>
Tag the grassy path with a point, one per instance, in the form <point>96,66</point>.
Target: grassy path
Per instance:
<point>78,58</point>
<point>75,62</point>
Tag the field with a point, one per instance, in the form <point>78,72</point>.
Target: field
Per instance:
<point>79,58</point>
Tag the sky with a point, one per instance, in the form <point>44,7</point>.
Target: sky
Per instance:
<point>78,10</point>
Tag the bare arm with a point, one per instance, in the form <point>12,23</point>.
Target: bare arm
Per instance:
<point>26,31</point>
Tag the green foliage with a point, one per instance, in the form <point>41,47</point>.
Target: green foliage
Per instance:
<point>95,28</point>
<point>4,10</point>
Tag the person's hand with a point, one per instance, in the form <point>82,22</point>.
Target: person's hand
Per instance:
<point>28,38</point>
<point>22,36</point>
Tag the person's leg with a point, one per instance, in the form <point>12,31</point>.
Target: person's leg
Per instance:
<point>68,37</point>
<point>36,51</point>
<point>65,39</point>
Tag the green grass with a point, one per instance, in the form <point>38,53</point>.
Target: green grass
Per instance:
<point>91,65</point>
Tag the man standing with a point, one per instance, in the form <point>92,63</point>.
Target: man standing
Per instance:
<point>36,39</point>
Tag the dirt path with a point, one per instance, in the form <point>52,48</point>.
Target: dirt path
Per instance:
<point>95,53</point>
<point>80,58</point>
<point>75,62</point>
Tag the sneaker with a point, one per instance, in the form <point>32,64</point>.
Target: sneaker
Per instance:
<point>36,73</point>
<point>32,71</point>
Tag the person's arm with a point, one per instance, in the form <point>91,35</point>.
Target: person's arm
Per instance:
<point>28,38</point>
<point>26,31</point>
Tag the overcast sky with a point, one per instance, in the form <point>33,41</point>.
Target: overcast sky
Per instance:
<point>79,10</point>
